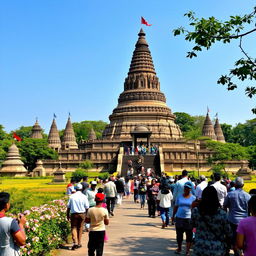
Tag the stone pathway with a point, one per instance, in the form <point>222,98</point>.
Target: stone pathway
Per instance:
<point>132,233</point>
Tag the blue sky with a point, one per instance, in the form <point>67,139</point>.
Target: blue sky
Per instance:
<point>60,56</point>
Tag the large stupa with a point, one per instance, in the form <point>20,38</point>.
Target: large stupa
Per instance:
<point>142,103</point>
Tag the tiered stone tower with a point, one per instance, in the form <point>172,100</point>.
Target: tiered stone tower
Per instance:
<point>92,135</point>
<point>36,131</point>
<point>69,139</point>
<point>208,130</point>
<point>13,166</point>
<point>54,137</point>
<point>218,131</point>
<point>142,103</point>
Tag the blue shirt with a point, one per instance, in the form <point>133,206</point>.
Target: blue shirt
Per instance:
<point>179,188</point>
<point>237,203</point>
<point>184,206</point>
<point>78,203</point>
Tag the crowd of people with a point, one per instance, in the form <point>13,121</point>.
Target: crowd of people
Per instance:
<point>216,215</point>
<point>141,149</point>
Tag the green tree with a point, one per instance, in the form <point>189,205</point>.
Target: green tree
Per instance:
<point>252,156</point>
<point>82,129</point>
<point>25,132</point>
<point>185,121</point>
<point>227,130</point>
<point>226,151</point>
<point>33,149</point>
<point>206,32</point>
<point>3,135</point>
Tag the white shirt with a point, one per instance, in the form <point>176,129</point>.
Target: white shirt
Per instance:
<point>199,189</point>
<point>78,203</point>
<point>165,199</point>
<point>221,191</point>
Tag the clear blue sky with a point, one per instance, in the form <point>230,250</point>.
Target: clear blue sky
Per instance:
<point>61,56</point>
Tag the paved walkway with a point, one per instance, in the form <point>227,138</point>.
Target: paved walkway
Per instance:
<point>132,233</point>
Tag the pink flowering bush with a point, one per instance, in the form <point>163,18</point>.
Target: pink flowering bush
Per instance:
<point>46,228</point>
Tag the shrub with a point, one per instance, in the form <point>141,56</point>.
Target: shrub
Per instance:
<point>46,228</point>
<point>104,175</point>
<point>78,174</point>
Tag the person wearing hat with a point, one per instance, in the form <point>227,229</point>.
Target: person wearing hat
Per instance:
<point>98,217</point>
<point>91,192</point>
<point>182,210</point>
<point>76,209</point>
<point>237,204</point>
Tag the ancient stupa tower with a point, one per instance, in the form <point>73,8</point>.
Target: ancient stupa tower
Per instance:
<point>54,137</point>
<point>69,139</point>
<point>36,131</point>
<point>208,130</point>
<point>13,166</point>
<point>92,135</point>
<point>218,131</point>
<point>142,104</point>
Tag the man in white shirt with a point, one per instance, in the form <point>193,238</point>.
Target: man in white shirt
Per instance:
<point>200,187</point>
<point>221,189</point>
<point>76,210</point>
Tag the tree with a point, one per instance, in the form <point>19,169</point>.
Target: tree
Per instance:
<point>207,32</point>
<point>252,156</point>
<point>3,135</point>
<point>33,149</point>
<point>185,121</point>
<point>227,132</point>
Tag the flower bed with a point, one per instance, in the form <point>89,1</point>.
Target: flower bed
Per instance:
<point>46,228</point>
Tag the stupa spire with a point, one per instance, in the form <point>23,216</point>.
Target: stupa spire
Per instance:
<point>92,135</point>
<point>36,131</point>
<point>54,137</point>
<point>208,130</point>
<point>218,131</point>
<point>69,139</point>
<point>13,166</point>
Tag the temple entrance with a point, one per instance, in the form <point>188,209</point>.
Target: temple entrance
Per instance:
<point>143,134</point>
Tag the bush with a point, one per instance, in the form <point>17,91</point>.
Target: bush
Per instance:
<point>46,228</point>
<point>87,164</point>
<point>220,169</point>
<point>78,174</point>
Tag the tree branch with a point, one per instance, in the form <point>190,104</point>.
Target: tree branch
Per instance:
<point>237,36</point>
<point>240,46</point>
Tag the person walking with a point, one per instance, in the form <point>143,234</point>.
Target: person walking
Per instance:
<point>127,187</point>
<point>237,204</point>
<point>142,193</point>
<point>221,189</point>
<point>246,235</point>
<point>111,195</point>
<point>212,227</point>
<point>152,192</point>
<point>98,217</point>
<point>120,189</point>
<point>200,187</point>
<point>182,210</point>
<point>76,210</point>
<point>164,198</point>
<point>12,234</point>
<point>179,185</point>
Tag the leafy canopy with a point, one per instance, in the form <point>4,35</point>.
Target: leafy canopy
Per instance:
<point>207,32</point>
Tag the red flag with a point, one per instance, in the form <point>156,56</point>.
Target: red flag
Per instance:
<point>16,137</point>
<point>208,110</point>
<point>143,21</point>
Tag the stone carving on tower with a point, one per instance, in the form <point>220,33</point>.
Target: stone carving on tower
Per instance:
<point>54,137</point>
<point>36,131</point>
<point>142,102</point>
<point>218,131</point>
<point>69,139</point>
<point>208,129</point>
<point>13,166</point>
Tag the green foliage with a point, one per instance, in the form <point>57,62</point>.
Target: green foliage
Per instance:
<point>3,134</point>
<point>207,32</point>
<point>4,145</point>
<point>252,156</point>
<point>33,149</point>
<point>82,129</point>
<point>226,151</point>
<point>23,132</point>
<point>87,164</point>
<point>220,169</point>
<point>104,175</point>
<point>78,174</point>
<point>185,121</point>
